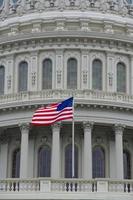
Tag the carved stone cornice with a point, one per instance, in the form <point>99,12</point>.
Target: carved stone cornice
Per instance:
<point>61,41</point>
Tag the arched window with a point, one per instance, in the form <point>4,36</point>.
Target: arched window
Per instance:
<point>98,162</point>
<point>130,1</point>
<point>1,3</point>
<point>72,73</point>
<point>121,77</point>
<point>127,165</point>
<point>47,74</point>
<point>14,1</point>
<point>44,161</point>
<point>2,79</point>
<point>16,164</point>
<point>97,75</point>
<point>23,76</point>
<point>68,161</point>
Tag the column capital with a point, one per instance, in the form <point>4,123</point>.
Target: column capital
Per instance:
<point>24,126</point>
<point>56,126</point>
<point>88,125</point>
<point>119,128</point>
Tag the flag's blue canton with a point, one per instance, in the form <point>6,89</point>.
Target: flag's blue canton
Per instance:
<point>64,104</point>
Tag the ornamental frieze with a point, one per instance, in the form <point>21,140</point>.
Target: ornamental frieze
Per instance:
<point>20,7</point>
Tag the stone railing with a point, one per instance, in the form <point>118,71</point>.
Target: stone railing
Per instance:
<point>65,185</point>
<point>81,96</point>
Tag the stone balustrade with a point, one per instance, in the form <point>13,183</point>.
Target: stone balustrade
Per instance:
<point>81,96</point>
<point>45,185</point>
<point>15,185</point>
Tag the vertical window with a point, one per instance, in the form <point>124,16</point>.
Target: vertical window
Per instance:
<point>130,1</point>
<point>2,79</point>
<point>121,77</point>
<point>44,161</point>
<point>1,3</point>
<point>16,164</point>
<point>23,76</point>
<point>127,165</point>
<point>14,1</point>
<point>97,75</point>
<point>47,74</point>
<point>68,161</point>
<point>72,73</point>
<point>98,162</point>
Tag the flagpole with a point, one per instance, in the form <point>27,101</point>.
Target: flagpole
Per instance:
<point>73,157</point>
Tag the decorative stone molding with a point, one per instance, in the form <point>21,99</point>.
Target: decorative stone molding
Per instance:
<point>56,126</point>
<point>84,77</point>
<point>21,7</point>
<point>119,128</point>
<point>107,100</point>
<point>59,72</point>
<point>88,125</point>
<point>37,44</point>
<point>33,75</point>
<point>110,75</point>
<point>98,140</point>
<point>24,126</point>
<point>44,140</point>
<point>9,82</point>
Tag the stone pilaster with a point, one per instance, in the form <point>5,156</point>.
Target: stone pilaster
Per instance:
<point>110,72</point>
<point>9,74</point>
<point>85,63</point>
<point>87,169</point>
<point>59,69</point>
<point>132,75</point>
<point>33,70</point>
<point>119,128</point>
<point>55,169</point>
<point>24,150</point>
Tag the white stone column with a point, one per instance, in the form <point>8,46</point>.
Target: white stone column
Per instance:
<point>55,168</point>
<point>112,162</point>
<point>3,155</point>
<point>31,157</point>
<point>131,75</point>
<point>24,150</point>
<point>119,150</point>
<point>87,169</point>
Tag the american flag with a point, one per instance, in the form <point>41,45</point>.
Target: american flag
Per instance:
<point>52,113</point>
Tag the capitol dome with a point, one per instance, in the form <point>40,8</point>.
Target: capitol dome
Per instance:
<point>51,50</point>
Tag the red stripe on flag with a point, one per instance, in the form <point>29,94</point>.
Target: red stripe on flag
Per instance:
<point>50,114</point>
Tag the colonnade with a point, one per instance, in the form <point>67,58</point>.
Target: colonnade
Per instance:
<point>87,154</point>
